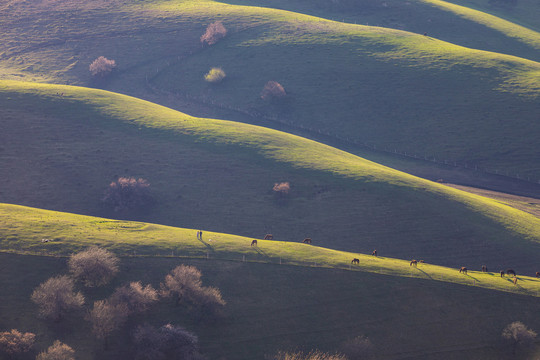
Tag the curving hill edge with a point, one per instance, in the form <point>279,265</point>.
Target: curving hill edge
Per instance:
<point>23,230</point>
<point>270,144</point>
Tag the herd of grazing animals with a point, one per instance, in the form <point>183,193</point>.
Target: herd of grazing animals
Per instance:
<point>413,262</point>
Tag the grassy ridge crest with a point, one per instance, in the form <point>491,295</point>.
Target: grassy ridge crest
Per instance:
<point>270,144</point>
<point>22,229</point>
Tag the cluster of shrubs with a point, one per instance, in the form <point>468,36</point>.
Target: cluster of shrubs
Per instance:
<point>57,297</point>
<point>128,193</point>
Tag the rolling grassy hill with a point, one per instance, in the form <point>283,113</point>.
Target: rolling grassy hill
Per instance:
<point>394,90</point>
<point>218,175</point>
<point>318,303</point>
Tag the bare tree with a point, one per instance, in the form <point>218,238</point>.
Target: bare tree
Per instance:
<point>107,317</point>
<point>136,297</point>
<point>57,351</point>
<point>56,296</point>
<point>184,283</point>
<point>102,66</point>
<point>214,32</point>
<point>519,335</point>
<point>181,282</point>
<point>273,90</point>
<point>167,342</point>
<point>94,266</point>
<point>128,193</point>
<point>15,342</point>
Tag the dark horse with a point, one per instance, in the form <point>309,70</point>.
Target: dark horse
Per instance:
<point>269,237</point>
<point>511,271</point>
<point>413,263</point>
<point>538,274</point>
<point>374,253</point>
<point>254,243</point>
<point>463,269</point>
<point>484,268</point>
<point>502,273</point>
<point>307,241</point>
<point>355,261</point>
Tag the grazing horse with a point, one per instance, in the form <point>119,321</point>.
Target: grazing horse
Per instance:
<point>502,273</point>
<point>511,271</point>
<point>484,268</point>
<point>355,261</point>
<point>515,280</point>
<point>374,253</point>
<point>307,241</point>
<point>269,237</point>
<point>413,263</point>
<point>538,274</point>
<point>463,269</point>
<point>254,243</point>
<point>421,261</point>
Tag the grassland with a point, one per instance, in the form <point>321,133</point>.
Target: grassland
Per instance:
<point>365,94</point>
<point>218,175</point>
<point>271,307</point>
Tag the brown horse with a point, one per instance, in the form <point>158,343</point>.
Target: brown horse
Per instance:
<point>374,253</point>
<point>307,241</point>
<point>355,261</point>
<point>254,243</point>
<point>269,237</point>
<point>538,274</point>
<point>413,263</point>
<point>502,273</point>
<point>421,261</point>
<point>511,271</point>
<point>484,268</point>
<point>463,269</point>
<point>515,280</point>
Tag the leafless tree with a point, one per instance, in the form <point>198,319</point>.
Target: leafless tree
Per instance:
<point>94,266</point>
<point>519,335</point>
<point>167,342</point>
<point>106,317</point>
<point>282,188</point>
<point>57,351</point>
<point>56,296</point>
<point>128,193</point>
<point>273,90</point>
<point>15,342</point>
<point>136,297</point>
<point>214,32</point>
<point>102,66</point>
<point>184,283</point>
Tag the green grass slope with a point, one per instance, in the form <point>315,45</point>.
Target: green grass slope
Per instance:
<point>218,175</point>
<point>394,90</point>
<point>23,228</point>
<point>273,307</point>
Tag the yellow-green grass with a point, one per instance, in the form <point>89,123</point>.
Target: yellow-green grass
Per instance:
<point>447,102</point>
<point>506,27</point>
<point>368,205</point>
<point>23,229</point>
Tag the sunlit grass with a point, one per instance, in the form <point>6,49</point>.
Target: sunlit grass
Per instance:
<point>267,143</point>
<point>23,228</point>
